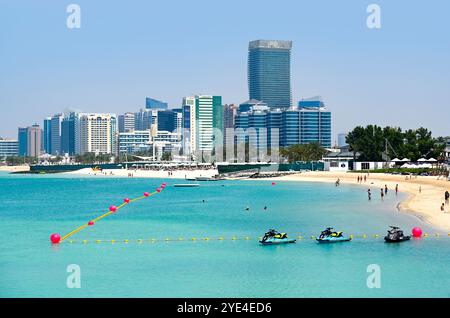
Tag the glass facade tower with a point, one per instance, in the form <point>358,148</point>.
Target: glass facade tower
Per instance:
<point>269,72</point>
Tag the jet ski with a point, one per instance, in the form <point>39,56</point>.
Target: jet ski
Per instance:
<point>331,236</point>
<point>273,237</point>
<point>395,235</point>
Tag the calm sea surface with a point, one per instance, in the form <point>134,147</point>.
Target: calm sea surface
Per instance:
<point>33,207</point>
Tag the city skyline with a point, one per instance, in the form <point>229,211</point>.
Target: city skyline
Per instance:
<point>366,76</point>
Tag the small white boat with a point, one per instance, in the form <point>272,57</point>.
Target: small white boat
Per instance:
<point>186,185</point>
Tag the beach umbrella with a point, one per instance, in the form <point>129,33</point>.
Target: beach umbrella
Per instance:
<point>405,165</point>
<point>395,160</point>
<point>431,160</point>
<point>422,160</point>
<point>406,160</point>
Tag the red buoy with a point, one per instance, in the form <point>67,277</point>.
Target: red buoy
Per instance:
<point>146,194</point>
<point>55,238</point>
<point>113,208</point>
<point>91,223</point>
<point>126,200</point>
<point>158,190</point>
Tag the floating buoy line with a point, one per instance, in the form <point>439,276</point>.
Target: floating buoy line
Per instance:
<point>55,238</point>
<point>232,238</point>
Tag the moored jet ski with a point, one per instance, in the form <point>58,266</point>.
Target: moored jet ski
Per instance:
<point>395,235</point>
<point>331,236</point>
<point>274,237</point>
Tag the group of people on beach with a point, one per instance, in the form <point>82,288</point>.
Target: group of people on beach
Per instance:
<point>447,200</point>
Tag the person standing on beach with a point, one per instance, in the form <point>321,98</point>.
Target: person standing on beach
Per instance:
<point>365,178</point>
<point>420,189</point>
<point>443,207</point>
<point>447,197</point>
<point>385,189</point>
<point>382,194</point>
<point>369,194</point>
<point>396,189</point>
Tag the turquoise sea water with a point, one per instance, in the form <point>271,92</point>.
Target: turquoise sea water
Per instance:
<point>33,207</point>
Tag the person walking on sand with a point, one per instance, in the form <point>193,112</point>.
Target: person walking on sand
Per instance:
<point>365,178</point>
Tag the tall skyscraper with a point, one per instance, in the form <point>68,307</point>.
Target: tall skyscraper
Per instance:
<point>189,129</point>
<point>269,72</point>
<point>145,119</point>
<point>22,137</point>
<point>97,133</point>
<point>151,103</point>
<point>127,122</point>
<point>209,119</point>
<point>55,140</point>
<point>341,140</point>
<point>48,135</point>
<point>315,122</point>
<point>68,134</point>
<point>166,120</point>
<point>34,139</point>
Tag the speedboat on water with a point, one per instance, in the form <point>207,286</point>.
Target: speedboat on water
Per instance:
<point>395,235</point>
<point>331,236</point>
<point>273,237</point>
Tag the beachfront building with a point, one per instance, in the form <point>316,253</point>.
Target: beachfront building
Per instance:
<point>134,141</point>
<point>68,133</point>
<point>209,120</point>
<point>55,139</point>
<point>9,148</point>
<point>48,135</point>
<point>96,133</point>
<point>269,72</point>
<point>151,103</point>
<point>315,122</point>
<point>165,141</point>
<point>126,122</point>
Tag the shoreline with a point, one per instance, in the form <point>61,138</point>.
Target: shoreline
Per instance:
<point>425,205</point>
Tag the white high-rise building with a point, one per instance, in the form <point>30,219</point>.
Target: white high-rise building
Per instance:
<point>55,134</point>
<point>96,133</point>
<point>189,125</point>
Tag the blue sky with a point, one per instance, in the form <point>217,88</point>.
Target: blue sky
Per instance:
<point>126,50</point>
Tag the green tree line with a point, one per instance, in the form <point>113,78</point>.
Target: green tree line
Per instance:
<point>374,143</point>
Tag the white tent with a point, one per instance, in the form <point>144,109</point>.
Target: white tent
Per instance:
<point>406,160</point>
<point>395,160</point>
<point>422,160</point>
<point>431,160</point>
<point>406,165</point>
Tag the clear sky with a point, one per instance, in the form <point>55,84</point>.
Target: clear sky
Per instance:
<point>126,50</point>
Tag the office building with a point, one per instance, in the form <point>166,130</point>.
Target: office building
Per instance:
<point>127,122</point>
<point>189,129</point>
<point>151,103</point>
<point>55,134</point>
<point>48,135</point>
<point>9,148</point>
<point>145,119</point>
<point>22,137</point>
<point>134,141</point>
<point>315,122</point>
<point>34,139</point>
<point>269,72</point>
<point>342,140</point>
<point>209,121</point>
<point>68,134</point>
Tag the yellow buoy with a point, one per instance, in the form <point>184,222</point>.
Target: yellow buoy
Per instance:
<point>234,238</point>
<point>113,241</point>
<point>85,241</point>
<point>221,238</point>
<point>194,239</point>
<point>125,241</point>
<point>98,241</point>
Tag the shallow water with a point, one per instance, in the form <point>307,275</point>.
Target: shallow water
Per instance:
<point>33,207</point>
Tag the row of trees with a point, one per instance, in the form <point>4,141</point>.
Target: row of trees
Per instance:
<point>374,143</point>
<point>305,152</point>
<point>91,158</point>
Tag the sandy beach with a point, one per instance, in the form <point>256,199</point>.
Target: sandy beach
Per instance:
<point>15,168</point>
<point>425,203</point>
